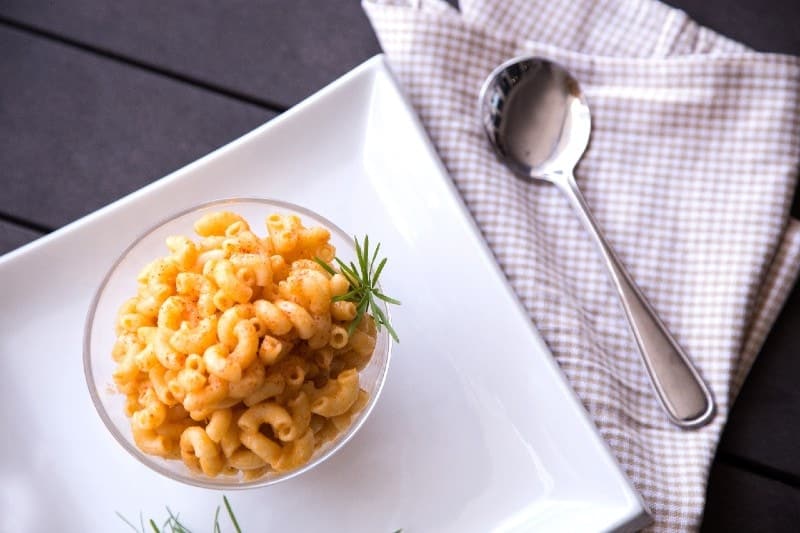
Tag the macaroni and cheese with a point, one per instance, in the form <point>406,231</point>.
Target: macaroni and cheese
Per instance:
<point>232,355</point>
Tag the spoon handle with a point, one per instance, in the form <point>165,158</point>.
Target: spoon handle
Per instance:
<point>683,394</point>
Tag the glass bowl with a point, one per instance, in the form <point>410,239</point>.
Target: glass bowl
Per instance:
<point>120,284</point>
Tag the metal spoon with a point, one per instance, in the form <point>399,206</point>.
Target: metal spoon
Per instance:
<point>538,122</point>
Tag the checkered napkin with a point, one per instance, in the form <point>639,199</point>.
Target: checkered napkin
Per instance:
<point>690,172</point>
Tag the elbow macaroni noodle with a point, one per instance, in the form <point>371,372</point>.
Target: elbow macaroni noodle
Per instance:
<point>232,356</point>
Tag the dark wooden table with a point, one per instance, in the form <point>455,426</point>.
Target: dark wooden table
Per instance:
<point>98,98</point>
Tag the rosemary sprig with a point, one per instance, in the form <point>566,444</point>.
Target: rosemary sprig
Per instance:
<point>363,279</point>
<point>173,524</point>
<point>230,514</point>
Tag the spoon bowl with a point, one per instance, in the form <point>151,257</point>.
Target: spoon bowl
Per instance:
<point>536,117</point>
<point>538,122</point>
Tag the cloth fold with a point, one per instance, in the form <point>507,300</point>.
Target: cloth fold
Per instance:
<point>690,172</point>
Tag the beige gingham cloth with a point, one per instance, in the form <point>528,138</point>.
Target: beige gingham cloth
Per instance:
<point>690,172</point>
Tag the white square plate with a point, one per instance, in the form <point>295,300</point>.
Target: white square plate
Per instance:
<point>476,430</point>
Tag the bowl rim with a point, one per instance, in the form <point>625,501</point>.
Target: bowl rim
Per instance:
<point>209,482</point>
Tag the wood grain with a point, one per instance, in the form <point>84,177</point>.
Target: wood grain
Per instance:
<point>278,50</point>
<point>80,131</point>
<point>13,236</point>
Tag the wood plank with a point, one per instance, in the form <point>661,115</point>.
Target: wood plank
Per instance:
<point>13,236</point>
<point>80,131</point>
<point>762,428</point>
<point>742,501</point>
<point>280,50</point>
<point>283,50</point>
<point>767,25</point>
<point>763,424</point>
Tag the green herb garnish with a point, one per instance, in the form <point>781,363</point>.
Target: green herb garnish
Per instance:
<point>230,514</point>
<point>173,524</point>
<point>363,279</point>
